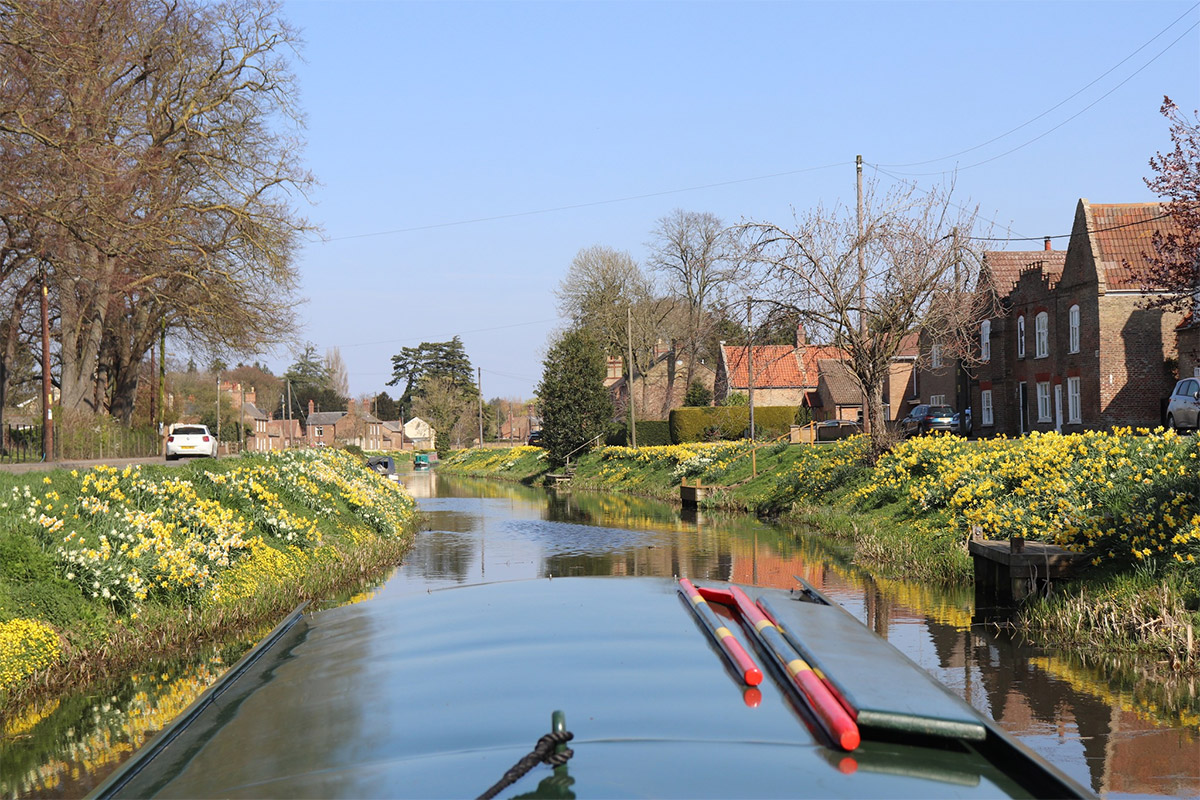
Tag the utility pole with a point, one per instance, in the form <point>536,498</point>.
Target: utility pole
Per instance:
<point>47,414</point>
<point>750,384</point>
<point>862,288</point>
<point>162,377</point>
<point>218,410</point>
<point>288,416</point>
<point>479,381</point>
<point>629,375</point>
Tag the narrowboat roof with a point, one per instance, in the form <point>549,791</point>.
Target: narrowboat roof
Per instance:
<point>438,694</point>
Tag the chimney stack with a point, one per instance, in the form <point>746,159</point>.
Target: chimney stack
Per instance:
<point>1048,247</point>
<point>310,407</point>
<point>801,339</point>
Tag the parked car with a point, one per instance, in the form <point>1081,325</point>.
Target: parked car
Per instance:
<point>190,440</point>
<point>1183,406</point>
<point>927,419</point>
<point>535,439</point>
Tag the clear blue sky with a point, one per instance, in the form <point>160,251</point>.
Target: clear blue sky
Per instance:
<point>439,130</point>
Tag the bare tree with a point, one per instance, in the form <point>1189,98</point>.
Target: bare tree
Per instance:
<point>606,293</point>
<point>693,251</point>
<point>916,277</point>
<point>335,368</point>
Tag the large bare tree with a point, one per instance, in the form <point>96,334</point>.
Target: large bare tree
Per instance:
<point>159,147</point>
<point>916,276</point>
<point>693,251</point>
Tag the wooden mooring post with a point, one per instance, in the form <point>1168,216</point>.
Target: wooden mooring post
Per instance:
<point>691,496</point>
<point>1006,572</point>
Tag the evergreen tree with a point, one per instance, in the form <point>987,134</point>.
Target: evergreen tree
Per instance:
<point>429,360</point>
<point>576,407</point>
<point>385,407</point>
<point>698,394</point>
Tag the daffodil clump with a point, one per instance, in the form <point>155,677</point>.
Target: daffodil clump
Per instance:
<point>26,646</point>
<point>487,460</point>
<point>1123,496</point>
<point>694,459</point>
<point>205,537</point>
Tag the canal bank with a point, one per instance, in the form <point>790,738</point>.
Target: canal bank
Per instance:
<point>104,569</point>
<point>1126,499</point>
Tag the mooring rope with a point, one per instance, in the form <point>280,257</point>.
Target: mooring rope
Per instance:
<point>543,751</point>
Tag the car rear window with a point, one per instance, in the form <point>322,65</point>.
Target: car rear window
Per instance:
<point>188,430</point>
<point>941,411</point>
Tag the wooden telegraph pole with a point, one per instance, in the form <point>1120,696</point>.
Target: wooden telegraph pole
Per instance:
<point>862,288</point>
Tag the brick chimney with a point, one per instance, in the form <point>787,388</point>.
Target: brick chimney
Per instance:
<point>350,407</point>
<point>311,410</point>
<point>801,339</point>
<point>1048,246</point>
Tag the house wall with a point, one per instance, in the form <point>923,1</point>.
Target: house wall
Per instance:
<point>898,389</point>
<point>1188,346</point>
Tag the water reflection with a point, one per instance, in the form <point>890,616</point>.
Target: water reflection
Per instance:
<point>1107,729</point>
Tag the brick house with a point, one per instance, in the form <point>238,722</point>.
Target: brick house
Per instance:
<point>838,395</point>
<point>784,375</point>
<point>1074,347</point>
<point>355,426</point>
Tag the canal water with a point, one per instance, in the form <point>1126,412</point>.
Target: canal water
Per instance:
<point>1105,725</point>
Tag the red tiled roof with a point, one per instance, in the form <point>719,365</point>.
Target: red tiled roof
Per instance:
<point>1122,232</point>
<point>775,367</point>
<point>1007,266</point>
<point>778,366</point>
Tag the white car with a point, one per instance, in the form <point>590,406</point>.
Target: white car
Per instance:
<point>190,440</point>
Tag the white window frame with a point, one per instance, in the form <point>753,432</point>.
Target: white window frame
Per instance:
<point>1021,336</point>
<point>985,408</point>
<point>1043,402</point>
<point>1074,402</point>
<point>1041,335</point>
<point>937,399</point>
<point>985,340</point>
<point>1073,329</point>
<point>320,431</point>
<point>935,356</point>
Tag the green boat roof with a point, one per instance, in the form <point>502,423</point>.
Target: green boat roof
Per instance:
<point>437,694</point>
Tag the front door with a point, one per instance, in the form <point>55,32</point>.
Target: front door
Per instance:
<point>1058,407</point>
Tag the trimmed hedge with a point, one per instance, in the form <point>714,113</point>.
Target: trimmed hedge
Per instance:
<point>651,433</point>
<point>729,422</point>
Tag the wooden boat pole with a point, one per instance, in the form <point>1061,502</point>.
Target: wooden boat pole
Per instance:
<point>732,648</point>
<point>825,706</point>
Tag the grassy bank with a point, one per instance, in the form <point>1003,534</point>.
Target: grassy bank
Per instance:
<point>1129,500</point>
<point>103,569</point>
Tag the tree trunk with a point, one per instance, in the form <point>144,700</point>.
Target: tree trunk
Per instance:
<point>83,302</point>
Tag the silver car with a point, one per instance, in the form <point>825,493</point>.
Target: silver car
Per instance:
<point>1183,407</point>
<point>191,440</point>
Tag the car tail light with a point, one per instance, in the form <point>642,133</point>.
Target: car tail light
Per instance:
<point>206,438</point>
<point>170,438</point>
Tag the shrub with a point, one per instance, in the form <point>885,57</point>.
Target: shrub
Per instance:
<point>728,422</point>
<point>698,394</point>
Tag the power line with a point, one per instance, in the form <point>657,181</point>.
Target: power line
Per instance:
<point>1044,134</point>
<point>581,205</point>
<point>1067,235</point>
<point>1064,101</point>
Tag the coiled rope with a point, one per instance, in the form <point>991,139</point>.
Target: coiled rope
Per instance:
<point>543,752</point>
